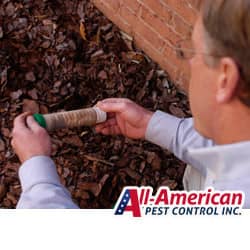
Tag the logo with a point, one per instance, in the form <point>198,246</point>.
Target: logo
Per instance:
<point>140,201</point>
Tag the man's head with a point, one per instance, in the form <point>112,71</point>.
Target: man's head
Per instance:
<point>220,68</point>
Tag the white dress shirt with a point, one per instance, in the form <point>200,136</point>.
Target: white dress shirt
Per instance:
<point>224,167</point>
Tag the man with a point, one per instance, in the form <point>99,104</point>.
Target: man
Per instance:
<point>215,142</point>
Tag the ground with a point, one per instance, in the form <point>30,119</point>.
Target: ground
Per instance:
<point>64,55</point>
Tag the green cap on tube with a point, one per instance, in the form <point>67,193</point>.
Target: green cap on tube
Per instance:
<point>40,120</point>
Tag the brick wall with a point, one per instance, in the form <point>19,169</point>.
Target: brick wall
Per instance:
<point>156,26</point>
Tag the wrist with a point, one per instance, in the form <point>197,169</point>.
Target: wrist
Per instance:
<point>30,156</point>
<point>147,118</point>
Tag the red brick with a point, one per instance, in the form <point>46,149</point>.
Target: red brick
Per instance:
<point>133,5</point>
<point>113,4</point>
<point>155,55</point>
<point>184,8</point>
<point>146,46</point>
<point>123,25</point>
<point>182,65</point>
<point>158,8</point>
<point>181,27</point>
<point>148,34</point>
<point>159,26</point>
<point>105,8</point>
<point>127,15</point>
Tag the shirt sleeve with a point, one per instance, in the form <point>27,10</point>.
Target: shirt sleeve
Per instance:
<point>41,187</point>
<point>175,134</point>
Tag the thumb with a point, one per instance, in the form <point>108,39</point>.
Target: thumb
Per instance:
<point>114,107</point>
<point>32,124</point>
<point>20,121</point>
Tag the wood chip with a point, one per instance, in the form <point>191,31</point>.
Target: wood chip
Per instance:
<point>176,111</point>
<point>1,32</point>
<point>3,191</point>
<point>29,76</point>
<point>103,75</point>
<point>74,140</point>
<point>82,31</point>
<point>16,94</point>
<point>2,145</point>
<point>33,94</point>
<point>30,105</point>
<point>133,174</point>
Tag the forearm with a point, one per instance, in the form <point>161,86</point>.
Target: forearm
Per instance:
<point>41,187</point>
<point>175,134</point>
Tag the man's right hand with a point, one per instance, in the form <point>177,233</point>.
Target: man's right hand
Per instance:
<point>124,117</point>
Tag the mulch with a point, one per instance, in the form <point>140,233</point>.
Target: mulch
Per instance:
<point>64,55</point>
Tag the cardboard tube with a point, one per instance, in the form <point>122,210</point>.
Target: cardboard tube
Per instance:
<point>70,119</point>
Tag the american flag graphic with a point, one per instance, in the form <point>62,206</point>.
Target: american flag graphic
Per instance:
<point>123,203</point>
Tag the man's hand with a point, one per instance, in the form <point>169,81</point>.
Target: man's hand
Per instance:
<point>124,117</point>
<point>29,139</point>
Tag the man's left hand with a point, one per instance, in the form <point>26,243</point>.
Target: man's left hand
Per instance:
<point>29,138</point>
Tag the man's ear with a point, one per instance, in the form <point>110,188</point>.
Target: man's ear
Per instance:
<point>227,81</point>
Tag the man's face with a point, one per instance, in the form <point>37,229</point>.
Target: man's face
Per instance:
<point>202,85</point>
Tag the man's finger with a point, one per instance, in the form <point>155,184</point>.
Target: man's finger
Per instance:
<point>114,100</point>
<point>114,107</point>
<point>20,121</point>
<point>109,122</point>
<point>12,143</point>
<point>32,124</point>
<point>105,131</point>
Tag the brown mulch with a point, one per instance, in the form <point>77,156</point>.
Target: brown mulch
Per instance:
<point>64,55</point>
